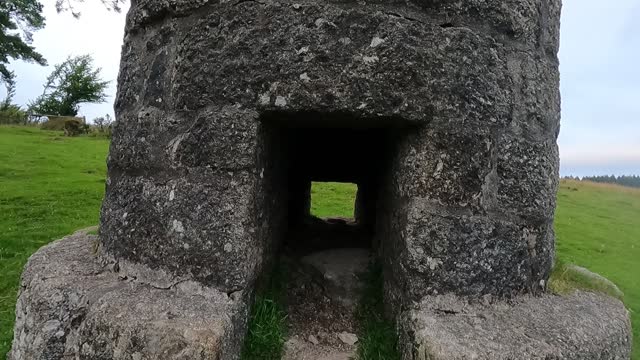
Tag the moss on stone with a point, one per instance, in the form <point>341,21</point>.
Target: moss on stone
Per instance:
<point>566,278</point>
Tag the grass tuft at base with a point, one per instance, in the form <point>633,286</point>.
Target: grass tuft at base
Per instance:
<point>566,278</point>
<point>377,339</point>
<point>267,324</point>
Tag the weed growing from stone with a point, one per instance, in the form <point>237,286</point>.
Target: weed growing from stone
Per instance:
<point>378,339</point>
<point>267,324</point>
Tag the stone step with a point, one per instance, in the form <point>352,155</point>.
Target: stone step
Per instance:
<point>299,349</point>
<point>339,272</point>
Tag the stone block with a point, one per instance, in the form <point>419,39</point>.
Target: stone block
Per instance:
<point>576,327</point>
<point>72,306</point>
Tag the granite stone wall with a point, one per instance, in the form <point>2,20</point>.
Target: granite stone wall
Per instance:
<point>198,186</point>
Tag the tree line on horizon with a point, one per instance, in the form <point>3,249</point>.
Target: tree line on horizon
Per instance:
<point>624,180</point>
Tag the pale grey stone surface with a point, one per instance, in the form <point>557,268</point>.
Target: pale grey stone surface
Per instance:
<point>70,306</point>
<point>348,338</point>
<point>580,326</point>
<point>298,349</point>
<point>340,273</point>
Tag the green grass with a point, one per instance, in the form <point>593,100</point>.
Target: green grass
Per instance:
<point>267,324</point>
<point>331,199</point>
<point>50,186</point>
<point>377,336</point>
<point>598,227</point>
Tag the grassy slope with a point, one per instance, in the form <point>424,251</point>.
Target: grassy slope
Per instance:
<point>598,227</point>
<point>49,186</point>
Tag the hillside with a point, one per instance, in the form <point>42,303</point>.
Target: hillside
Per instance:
<point>598,227</point>
<point>50,185</point>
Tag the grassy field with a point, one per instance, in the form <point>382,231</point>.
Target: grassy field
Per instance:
<point>51,185</point>
<point>333,199</point>
<point>598,227</point>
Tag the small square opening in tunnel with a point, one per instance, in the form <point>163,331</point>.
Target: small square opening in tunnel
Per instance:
<point>311,159</point>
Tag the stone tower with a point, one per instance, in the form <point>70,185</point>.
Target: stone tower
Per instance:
<point>445,113</point>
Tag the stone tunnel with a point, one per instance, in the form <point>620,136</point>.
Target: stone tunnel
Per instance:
<point>444,113</point>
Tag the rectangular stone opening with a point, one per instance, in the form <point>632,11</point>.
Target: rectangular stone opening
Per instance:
<point>325,257</point>
<point>306,147</point>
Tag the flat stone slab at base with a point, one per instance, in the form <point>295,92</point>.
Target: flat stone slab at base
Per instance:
<point>339,272</point>
<point>70,306</point>
<point>298,349</point>
<point>579,326</point>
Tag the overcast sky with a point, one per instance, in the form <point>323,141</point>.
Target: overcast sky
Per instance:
<point>600,75</point>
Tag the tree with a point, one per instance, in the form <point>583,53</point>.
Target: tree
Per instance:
<point>13,114</point>
<point>103,122</point>
<point>67,5</point>
<point>71,83</point>
<point>625,180</point>
<point>18,20</point>
<point>99,123</point>
<point>10,85</point>
<point>9,112</point>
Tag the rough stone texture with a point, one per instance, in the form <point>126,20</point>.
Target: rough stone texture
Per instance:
<point>348,338</point>
<point>466,188</point>
<point>196,177</point>
<point>339,272</point>
<point>297,349</point>
<point>580,326</point>
<point>71,306</point>
<point>315,312</point>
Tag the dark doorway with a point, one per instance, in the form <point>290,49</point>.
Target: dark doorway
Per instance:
<point>318,147</point>
<point>326,257</point>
